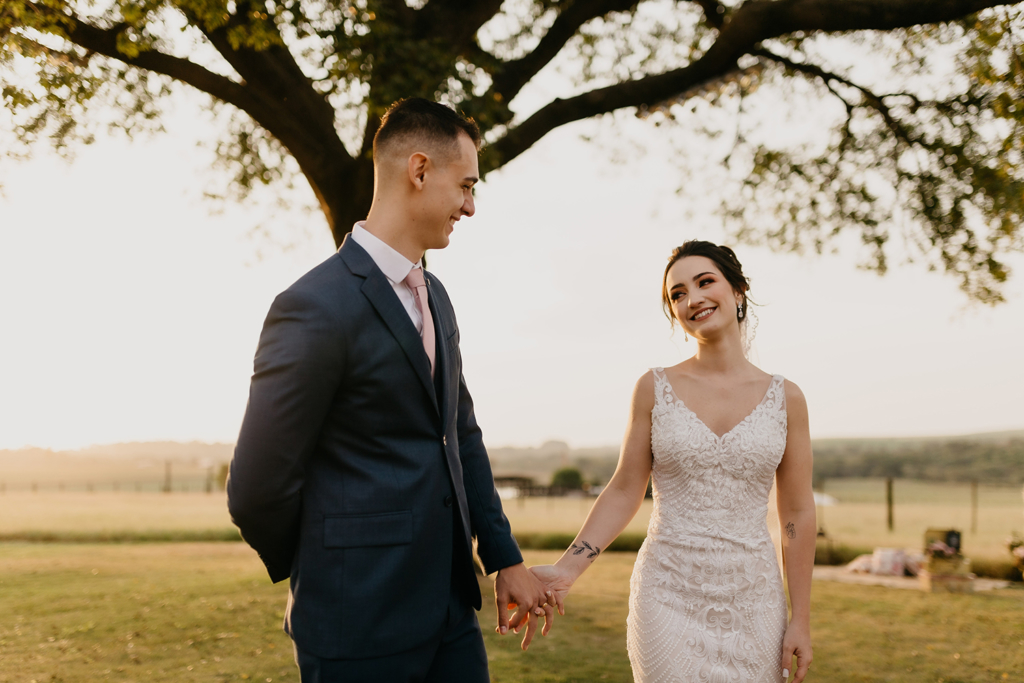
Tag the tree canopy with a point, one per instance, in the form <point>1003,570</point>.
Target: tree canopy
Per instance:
<point>926,146</point>
<point>567,478</point>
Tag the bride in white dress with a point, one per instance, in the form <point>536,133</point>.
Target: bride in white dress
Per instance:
<point>706,598</point>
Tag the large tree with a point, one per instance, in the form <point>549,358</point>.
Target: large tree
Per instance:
<point>938,159</point>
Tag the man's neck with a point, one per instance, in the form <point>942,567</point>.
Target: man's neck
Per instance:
<point>388,229</point>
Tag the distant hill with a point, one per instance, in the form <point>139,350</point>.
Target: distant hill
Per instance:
<point>991,457</point>
<point>141,466</point>
<point>903,442</point>
<point>161,450</point>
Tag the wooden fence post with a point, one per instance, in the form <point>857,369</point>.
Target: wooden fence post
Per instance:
<point>888,502</point>
<point>820,512</point>
<point>974,506</point>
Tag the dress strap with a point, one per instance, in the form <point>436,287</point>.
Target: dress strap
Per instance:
<point>662,389</point>
<point>776,396</point>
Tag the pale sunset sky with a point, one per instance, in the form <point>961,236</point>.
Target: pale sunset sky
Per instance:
<point>130,312</point>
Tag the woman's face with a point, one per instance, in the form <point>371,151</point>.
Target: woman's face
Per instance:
<point>702,300</point>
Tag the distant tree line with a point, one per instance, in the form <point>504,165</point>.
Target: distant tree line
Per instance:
<point>987,458</point>
<point>986,462</point>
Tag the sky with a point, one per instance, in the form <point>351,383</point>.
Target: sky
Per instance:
<point>130,310</point>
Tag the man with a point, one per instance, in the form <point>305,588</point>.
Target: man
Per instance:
<point>360,471</point>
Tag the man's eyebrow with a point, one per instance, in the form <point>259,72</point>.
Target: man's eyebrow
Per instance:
<point>472,178</point>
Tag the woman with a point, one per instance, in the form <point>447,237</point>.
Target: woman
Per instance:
<point>706,598</point>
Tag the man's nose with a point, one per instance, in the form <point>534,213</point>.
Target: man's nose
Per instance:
<point>469,206</point>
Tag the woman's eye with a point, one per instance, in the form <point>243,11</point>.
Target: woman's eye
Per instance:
<point>706,281</point>
<point>676,296</point>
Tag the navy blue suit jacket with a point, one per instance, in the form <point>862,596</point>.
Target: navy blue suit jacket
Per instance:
<point>356,474</point>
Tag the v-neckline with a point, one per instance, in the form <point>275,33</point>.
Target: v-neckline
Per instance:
<point>703,424</point>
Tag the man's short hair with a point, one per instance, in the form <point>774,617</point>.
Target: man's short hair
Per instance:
<point>415,119</point>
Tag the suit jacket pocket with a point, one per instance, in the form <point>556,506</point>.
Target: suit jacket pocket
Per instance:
<point>360,531</point>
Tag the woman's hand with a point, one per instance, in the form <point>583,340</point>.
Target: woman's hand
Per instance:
<point>796,643</point>
<point>557,580</point>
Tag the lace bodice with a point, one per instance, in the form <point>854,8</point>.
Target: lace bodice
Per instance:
<point>710,485</point>
<point>706,598</point>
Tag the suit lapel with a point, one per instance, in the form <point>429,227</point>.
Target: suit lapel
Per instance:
<point>382,297</point>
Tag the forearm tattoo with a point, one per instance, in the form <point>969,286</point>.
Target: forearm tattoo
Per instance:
<point>791,530</point>
<point>592,551</point>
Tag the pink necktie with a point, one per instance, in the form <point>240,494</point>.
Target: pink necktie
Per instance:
<point>415,280</point>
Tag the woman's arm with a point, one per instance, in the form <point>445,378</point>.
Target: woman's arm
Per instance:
<point>618,502</point>
<point>799,530</point>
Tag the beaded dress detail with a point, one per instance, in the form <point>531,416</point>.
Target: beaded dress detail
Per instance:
<point>706,603</point>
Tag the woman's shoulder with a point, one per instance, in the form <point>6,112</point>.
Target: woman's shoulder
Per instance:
<point>645,389</point>
<point>647,380</point>
<point>794,396</point>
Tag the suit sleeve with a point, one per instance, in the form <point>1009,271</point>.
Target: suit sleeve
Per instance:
<point>296,372</point>
<point>496,546</point>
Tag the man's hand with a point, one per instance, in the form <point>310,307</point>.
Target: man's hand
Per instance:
<point>516,588</point>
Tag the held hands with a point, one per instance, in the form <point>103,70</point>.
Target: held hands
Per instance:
<point>557,580</point>
<point>516,588</point>
<point>796,643</point>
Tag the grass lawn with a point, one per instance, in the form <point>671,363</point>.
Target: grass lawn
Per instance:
<point>206,612</point>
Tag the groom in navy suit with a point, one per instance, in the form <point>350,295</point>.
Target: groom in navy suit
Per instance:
<point>360,472</point>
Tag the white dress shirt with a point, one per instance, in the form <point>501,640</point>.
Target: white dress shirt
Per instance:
<point>395,268</point>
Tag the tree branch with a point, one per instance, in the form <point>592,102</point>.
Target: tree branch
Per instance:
<point>714,12</point>
<point>513,75</point>
<point>456,20</point>
<point>876,102</point>
<point>399,12</point>
<point>104,42</point>
<point>745,28</point>
<point>273,75</point>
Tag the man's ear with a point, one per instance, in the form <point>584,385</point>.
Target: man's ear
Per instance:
<point>418,163</point>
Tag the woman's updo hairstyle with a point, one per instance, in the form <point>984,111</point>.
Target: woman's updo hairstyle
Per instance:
<point>726,261</point>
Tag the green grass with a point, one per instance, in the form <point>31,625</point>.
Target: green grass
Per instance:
<point>206,612</point>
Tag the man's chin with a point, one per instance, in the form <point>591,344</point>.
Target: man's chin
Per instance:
<point>441,243</point>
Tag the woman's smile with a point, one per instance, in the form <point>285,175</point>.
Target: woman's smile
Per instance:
<point>703,313</point>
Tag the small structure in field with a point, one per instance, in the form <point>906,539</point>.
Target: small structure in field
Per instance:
<point>946,570</point>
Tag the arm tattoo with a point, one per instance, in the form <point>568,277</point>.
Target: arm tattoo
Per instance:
<point>791,530</point>
<point>590,550</point>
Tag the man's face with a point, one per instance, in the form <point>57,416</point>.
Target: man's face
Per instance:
<point>448,195</point>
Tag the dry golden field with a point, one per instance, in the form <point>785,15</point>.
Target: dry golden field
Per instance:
<point>42,470</point>
<point>859,520</point>
<point>108,511</point>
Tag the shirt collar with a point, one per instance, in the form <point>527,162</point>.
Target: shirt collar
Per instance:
<point>394,266</point>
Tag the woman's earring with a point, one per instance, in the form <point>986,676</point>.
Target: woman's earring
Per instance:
<point>739,313</point>
<point>685,336</point>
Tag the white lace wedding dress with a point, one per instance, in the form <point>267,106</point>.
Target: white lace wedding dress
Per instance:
<point>706,602</point>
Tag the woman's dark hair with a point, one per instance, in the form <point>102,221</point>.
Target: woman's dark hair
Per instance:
<point>726,261</point>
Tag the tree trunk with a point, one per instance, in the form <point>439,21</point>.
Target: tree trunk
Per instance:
<point>344,189</point>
